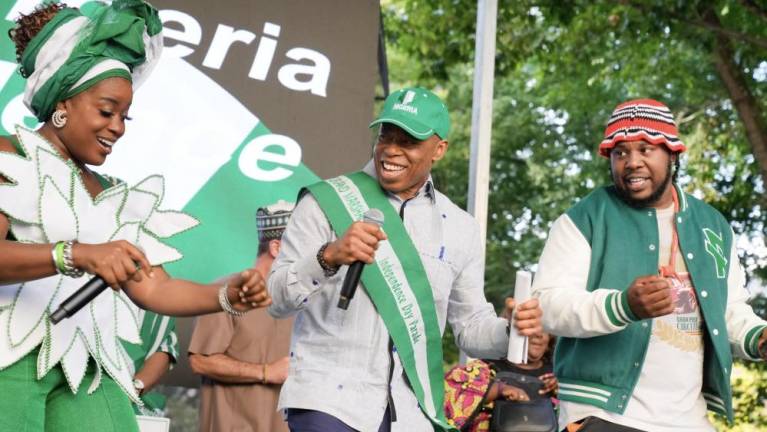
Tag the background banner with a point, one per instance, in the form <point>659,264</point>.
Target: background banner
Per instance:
<point>252,100</point>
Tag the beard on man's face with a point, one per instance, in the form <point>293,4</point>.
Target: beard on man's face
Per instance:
<point>653,198</point>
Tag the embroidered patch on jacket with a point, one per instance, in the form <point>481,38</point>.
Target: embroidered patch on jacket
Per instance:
<point>715,248</point>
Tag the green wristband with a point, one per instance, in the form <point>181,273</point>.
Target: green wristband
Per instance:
<point>60,266</point>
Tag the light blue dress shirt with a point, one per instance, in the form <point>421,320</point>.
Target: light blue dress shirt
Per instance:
<point>339,362</point>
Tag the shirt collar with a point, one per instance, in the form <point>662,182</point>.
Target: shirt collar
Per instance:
<point>426,190</point>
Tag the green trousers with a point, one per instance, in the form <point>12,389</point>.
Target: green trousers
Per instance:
<point>48,405</point>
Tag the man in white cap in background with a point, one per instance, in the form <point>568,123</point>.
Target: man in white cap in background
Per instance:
<point>243,360</point>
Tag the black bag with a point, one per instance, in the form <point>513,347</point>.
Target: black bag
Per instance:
<point>596,424</point>
<point>537,415</point>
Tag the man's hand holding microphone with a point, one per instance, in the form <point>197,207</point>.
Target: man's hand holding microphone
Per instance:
<point>359,243</point>
<point>356,247</point>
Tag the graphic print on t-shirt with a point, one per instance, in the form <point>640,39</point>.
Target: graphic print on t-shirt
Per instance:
<point>682,328</point>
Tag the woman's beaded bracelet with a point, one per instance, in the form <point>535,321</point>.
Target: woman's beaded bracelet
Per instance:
<point>69,263</point>
<point>62,259</point>
<point>223,300</point>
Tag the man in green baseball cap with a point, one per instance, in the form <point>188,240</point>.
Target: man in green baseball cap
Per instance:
<point>418,111</point>
<point>414,124</point>
<point>374,362</point>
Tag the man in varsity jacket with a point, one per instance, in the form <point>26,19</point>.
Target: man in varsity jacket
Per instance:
<point>643,285</point>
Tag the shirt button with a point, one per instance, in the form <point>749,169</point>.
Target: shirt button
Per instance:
<point>649,213</point>
<point>690,255</point>
<point>652,247</point>
<point>679,219</point>
<point>704,294</point>
<point>715,332</point>
<point>644,324</point>
<point>623,397</point>
<point>636,364</point>
<point>620,406</point>
<point>315,282</point>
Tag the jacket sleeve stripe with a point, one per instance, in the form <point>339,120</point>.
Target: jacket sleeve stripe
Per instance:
<point>752,340</point>
<point>560,284</point>
<point>743,325</point>
<point>714,403</point>
<point>611,310</point>
<point>582,395</point>
<point>626,308</point>
<point>583,388</point>
<point>618,310</point>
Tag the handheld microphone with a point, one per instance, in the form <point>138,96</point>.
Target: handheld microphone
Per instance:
<point>352,278</point>
<point>79,299</point>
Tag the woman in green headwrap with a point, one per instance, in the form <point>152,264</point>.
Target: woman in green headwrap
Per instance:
<point>61,223</point>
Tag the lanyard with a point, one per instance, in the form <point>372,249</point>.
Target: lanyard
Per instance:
<point>669,271</point>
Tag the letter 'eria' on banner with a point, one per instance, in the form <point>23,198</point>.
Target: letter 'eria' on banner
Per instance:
<point>250,102</point>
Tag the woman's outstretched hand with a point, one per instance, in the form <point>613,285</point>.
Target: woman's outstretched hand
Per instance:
<point>247,290</point>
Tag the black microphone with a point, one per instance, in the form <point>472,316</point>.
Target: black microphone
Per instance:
<point>352,278</point>
<point>79,299</point>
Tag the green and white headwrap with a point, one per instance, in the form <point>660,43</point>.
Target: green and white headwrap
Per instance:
<point>72,52</point>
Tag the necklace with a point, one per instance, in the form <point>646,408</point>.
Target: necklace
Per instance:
<point>669,271</point>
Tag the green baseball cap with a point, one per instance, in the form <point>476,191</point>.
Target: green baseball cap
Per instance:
<point>418,111</point>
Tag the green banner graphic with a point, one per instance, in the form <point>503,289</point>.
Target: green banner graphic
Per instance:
<point>248,103</point>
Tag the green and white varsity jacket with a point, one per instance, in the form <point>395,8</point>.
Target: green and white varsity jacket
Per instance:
<point>593,254</point>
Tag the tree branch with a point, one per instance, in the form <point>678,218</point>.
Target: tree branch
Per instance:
<point>754,8</point>
<point>688,114</point>
<point>746,105</point>
<point>705,24</point>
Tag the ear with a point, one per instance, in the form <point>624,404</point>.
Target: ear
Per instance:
<point>61,106</point>
<point>440,151</point>
<point>274,248</point>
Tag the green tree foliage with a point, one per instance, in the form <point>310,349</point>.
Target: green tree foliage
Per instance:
<point>749,388</point>
<point>561,68</point>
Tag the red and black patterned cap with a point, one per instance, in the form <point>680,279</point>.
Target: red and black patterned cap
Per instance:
<point>641,120</point>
